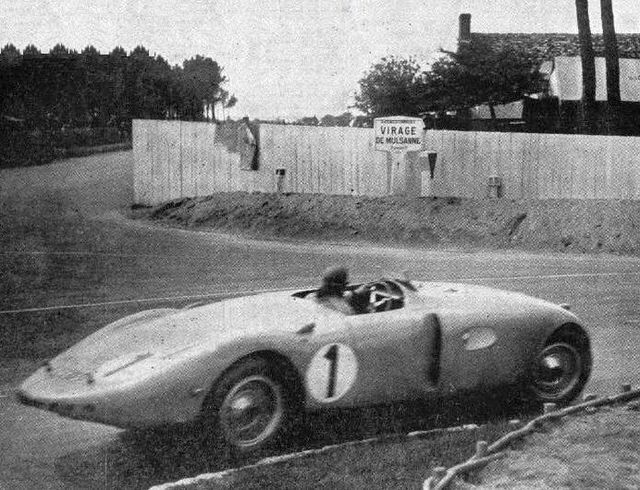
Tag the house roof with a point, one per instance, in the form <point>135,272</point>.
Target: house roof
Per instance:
<point>565,79</point>
<point>544,46</point>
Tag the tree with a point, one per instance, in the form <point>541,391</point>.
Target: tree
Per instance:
<point>342,120</point>
<point>477,74</point>
<point>59,50</point>
<point>226,100</point>
<point>588,113</point>
<point>31,50</point>
<point>230,102</point>
<point>11,101</point>
<point>9,54</point>
<point>116,102</point>
<point>389,88</point>
<point>203,79</point>
<point>612,62</point>
<point>308,121</point>
<point>97,86</point>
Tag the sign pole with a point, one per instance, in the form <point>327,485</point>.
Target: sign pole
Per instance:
<point>398,172</point>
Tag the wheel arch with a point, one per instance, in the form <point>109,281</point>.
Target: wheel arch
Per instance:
<point>576,336</point>
<point>571,331</point>
<point>283,365</point>
<point>574,332</point>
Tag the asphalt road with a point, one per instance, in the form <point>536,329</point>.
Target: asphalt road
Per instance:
<point>70,263</point>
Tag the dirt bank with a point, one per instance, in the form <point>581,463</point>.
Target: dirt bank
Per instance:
<point>559,225</point>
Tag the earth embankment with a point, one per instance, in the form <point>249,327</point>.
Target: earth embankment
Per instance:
<point>558,225</point>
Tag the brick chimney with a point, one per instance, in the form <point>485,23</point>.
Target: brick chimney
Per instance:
<point>464,33</point>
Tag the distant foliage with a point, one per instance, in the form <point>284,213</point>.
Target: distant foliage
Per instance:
<point>389,88</point>
<point>65,89</point>
<point>476,74</point>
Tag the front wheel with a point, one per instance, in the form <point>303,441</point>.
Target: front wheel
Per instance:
<point>252,406</point>
<point>560,370</point>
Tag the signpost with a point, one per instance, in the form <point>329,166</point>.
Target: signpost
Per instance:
<point>398,135</point>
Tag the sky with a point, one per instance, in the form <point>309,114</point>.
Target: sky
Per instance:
<point>287,58</point>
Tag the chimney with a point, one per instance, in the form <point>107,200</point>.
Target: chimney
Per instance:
<point>464,34</point>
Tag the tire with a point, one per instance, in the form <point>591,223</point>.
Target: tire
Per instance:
<point>561,369</point>
<point>251,406</point>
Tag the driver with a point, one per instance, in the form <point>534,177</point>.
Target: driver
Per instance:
<point>332,292</point>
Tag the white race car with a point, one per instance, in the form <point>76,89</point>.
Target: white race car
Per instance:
<point>245,366</point>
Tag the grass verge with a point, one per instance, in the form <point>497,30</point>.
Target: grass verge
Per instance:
<point>598,450</point>
<point>401,465</point>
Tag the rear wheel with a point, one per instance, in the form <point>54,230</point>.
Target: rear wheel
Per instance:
<point>561,369</point>
<point>251,406</point>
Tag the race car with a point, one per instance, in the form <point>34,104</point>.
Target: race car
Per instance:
<point>246,367</point>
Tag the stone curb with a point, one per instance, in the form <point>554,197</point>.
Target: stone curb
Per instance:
<point>274,460</point>
<point>443,478</point>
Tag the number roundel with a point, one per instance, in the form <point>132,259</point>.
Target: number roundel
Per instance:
<point>332,372</point>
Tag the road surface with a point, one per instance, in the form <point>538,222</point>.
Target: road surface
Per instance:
<point>71,263</point>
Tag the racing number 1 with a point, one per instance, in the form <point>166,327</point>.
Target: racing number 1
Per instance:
<point>332,357</point>
<point>332,372</point>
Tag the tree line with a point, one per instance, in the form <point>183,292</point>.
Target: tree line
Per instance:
<point>67,89</point>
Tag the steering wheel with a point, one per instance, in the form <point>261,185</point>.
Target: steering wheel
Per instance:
<point>380,297</point>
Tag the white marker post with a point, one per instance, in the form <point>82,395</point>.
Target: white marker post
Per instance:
<point>398,135</point>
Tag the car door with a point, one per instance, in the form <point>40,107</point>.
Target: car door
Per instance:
<point>397,353</point>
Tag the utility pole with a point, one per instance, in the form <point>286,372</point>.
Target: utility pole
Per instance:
<point>588,112</point>
<point>612,62</point>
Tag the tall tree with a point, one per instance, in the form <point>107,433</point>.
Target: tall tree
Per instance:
<point>203,80</point>
<point>612,62</point>
<point>587,57</point>
<point>389,88</point>
<point>9,54</point>
<point>117,104</point>
<point>31,50</point>
<point>60,50</point>
<point>96,88</point>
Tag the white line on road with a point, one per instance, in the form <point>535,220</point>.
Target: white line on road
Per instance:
<point>258,291</point>
<point>75,253</point>
<point>555,276</point>
<point>140,300</point>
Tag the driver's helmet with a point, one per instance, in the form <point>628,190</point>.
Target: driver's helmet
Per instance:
<point>334,281</point>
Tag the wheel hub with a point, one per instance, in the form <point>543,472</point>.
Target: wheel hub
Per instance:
<point>251,411</point>
<point>558,370</point>
<point>552,368</point>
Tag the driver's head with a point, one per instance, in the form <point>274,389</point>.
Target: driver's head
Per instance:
<point>334,281</point>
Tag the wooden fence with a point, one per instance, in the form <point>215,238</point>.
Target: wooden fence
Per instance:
<point>536,166</point>
<point>176,159</point>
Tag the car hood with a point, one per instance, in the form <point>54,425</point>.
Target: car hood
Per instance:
<point>166,332</point>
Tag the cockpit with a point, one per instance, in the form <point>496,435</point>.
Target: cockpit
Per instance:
<point>372,297</point>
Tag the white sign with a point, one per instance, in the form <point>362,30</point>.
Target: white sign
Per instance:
<point>398,133</point>
<point>332,372</point>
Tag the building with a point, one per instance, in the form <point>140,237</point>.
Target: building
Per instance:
<point>557,56</point>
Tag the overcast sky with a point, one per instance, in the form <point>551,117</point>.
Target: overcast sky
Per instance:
<point>286,58</point>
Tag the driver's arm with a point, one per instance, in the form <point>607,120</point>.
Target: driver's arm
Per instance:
<point>359,299</point>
